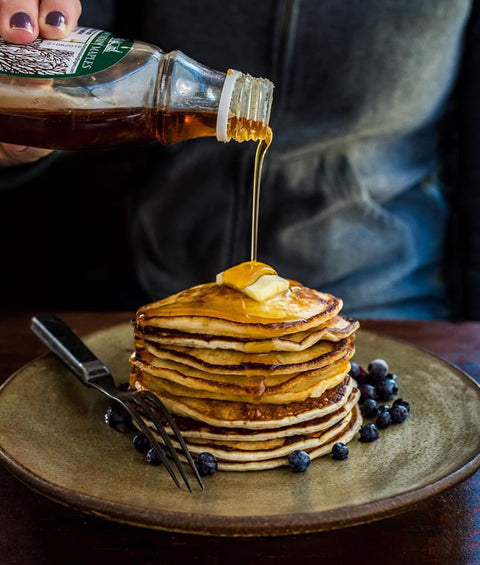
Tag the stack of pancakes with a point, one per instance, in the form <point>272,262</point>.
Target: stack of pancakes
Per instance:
<point>250,381</point>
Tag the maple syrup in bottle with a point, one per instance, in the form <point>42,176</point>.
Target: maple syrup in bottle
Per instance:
<point>92,89</point>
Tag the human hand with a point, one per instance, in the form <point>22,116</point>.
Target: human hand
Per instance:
<point>22,21</point>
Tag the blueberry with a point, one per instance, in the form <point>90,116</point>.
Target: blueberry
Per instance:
<point>394,377</point>
<point>386,389</point>
<point>358,373</point>
<point>368,433</point>
<point>141,443</point>
<point>299,460</point>
<point>370,408</point>
<point>206,464</point>
<point>153,458</point>
<point>383,408</point>
<point>362,377</point>
<point>339,451</point>
<point>378,369</point>
<point>399,413</point>
<point>118,419</point>
<point>367,391</point>
<point>383,420</point>
<point>354,369</point>
<point>402,402</point>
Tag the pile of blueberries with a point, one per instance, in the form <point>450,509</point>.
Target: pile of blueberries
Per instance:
<point>377,386</point>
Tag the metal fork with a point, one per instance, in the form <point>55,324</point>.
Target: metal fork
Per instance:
<point>70,349</point>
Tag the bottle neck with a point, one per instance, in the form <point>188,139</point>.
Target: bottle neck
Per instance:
<point>244,108</point>
<point>201,102</point>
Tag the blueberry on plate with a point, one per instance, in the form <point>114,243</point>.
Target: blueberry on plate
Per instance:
<point>153,458</point>
<point>367,391</point>
<point>354,369</point>
<point>118,419</point>
<point>378,369</point>
<point>368,433</point>
<point>358,373</point>
<point>386,389</point>
<point>402,402</point>
<point>339,451</point>
<point>399,413</point>
<point>299,460</point>
<point>394,377</point>
<point>141,443</point>
<point>206,464</point>
<point>383,420</point>
<point>370,408</point>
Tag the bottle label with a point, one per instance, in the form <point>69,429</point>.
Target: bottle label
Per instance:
<point>84,52</point>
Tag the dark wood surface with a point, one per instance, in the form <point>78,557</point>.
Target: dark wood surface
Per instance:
<point>444,530</point>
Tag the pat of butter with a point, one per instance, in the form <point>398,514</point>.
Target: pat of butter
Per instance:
<point>257,280</point>
<point>266,287</point>
<point>242,275</point>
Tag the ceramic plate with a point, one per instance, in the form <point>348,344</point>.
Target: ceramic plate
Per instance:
<point>53,437</point>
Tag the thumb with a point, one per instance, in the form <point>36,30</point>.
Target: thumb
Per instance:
<point>13,155</point>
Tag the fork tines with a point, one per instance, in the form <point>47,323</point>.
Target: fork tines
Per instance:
<point>87,367</point>
<point>156,411</point>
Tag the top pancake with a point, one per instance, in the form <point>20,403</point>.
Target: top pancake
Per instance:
<point>217,310</point>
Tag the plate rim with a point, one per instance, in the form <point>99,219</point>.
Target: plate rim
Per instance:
<point>240,526</point>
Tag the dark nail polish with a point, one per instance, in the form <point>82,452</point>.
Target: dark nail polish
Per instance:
<point>21,20</point>
<point>56,19</point>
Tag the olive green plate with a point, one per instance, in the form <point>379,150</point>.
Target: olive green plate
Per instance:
<point>53,437</point>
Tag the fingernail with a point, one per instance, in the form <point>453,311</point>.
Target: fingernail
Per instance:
<point>21,20</point>
<point>55,19</point>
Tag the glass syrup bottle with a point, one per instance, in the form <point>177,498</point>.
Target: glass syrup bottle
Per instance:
<point>93,89</point>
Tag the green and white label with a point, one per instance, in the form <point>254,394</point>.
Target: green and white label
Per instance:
<point>84,52</point>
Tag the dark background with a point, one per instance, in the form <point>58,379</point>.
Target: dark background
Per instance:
<point>64,233</point>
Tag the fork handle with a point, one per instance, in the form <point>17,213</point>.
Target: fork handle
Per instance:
<point>69,348</point>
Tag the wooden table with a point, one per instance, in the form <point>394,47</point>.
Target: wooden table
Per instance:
<point>444,530</point>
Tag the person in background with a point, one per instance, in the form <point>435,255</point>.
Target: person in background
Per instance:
<point>369,187</point>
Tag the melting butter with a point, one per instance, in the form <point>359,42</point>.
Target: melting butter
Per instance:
<point>254,279</point>
<point>267,286</point>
